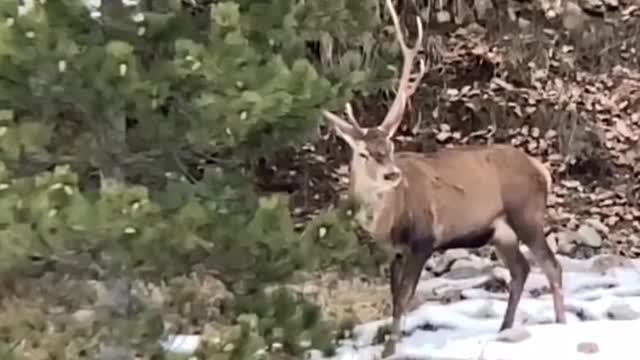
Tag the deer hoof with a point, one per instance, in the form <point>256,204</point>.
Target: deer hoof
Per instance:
<point>389,348</point>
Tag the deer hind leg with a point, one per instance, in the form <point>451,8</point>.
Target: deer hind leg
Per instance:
<point>531,231</point>
<point>405,271</point>
<point>505,241</point>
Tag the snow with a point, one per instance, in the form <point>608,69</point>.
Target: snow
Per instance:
<point>181,344</point>
<point>602,303</point>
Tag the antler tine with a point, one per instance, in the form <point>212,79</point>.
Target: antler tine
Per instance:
<point>417,77</point>
<point>396,24</point>
<point>333,117</point>
<point>406,87</point>
<point>349,110</point>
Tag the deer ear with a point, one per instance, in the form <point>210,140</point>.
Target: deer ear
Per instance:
<point>348,131</point>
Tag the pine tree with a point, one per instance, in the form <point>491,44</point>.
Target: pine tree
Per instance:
<point>101,107</point>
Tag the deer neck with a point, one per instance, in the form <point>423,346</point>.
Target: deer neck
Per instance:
<point>377,207</point>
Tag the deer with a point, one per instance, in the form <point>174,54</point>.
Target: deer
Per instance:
<point>459,197</point>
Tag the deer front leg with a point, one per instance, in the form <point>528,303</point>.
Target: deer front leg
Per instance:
<point>405,271</point>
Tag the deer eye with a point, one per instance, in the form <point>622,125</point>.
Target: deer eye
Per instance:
<point>364,155</point>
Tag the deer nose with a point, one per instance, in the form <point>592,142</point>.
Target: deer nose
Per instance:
<point>391,175</point>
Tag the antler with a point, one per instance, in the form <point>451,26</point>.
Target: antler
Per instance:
<point>349,110</point>
<point>335,118</point>
<point>347,129</point>
<point>406,86</point>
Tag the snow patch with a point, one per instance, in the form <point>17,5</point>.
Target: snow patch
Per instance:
<point>602,308</point>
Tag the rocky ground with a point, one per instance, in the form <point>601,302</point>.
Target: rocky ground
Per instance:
<point>461,311</point>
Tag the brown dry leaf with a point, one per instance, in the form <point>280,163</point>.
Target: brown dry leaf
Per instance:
<point>623,129</point>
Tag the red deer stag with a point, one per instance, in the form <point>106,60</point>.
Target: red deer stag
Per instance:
<point>459,197</point>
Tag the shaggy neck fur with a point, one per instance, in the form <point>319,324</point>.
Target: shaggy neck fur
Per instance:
<point>376,205</point>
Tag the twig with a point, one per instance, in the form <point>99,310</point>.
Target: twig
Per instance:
<point>183,168</point>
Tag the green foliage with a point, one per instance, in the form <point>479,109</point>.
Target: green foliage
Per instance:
<point>99,108</point>
<point>235,80</point>
<point>48,214</point>
<point>6,352</point>
<point>278,319</point>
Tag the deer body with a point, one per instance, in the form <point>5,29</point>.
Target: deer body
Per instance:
<point>460,197</point>
<point>437,189</point>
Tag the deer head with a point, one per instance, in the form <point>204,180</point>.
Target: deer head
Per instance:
<point>372,148</point>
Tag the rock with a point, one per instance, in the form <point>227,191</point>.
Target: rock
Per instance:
<point>595,6</point>
<point>451,295</point>
<point>566,242</point>
<point>523,23</point>
<point>441,264</point>
<point>115,294</point>
<point>482,7</point>
<point>552,241</point>
<point>472,261</point>
<point>573,17</point>
<point>465,268</point>
<point>156,295</point>
<point>513,335</point>
<point>84,317</point>
<point>587,347</point>
<point>495,284</point>
<point>443,16</point>
<point>622,312</point>
<point>463,13</point>
<point>463,272</point>
<point>598,225</point>
<point>589,236</point>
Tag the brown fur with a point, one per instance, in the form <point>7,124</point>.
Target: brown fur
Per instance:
<point>484,181</point>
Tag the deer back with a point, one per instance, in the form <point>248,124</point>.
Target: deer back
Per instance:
<point>458,193</point>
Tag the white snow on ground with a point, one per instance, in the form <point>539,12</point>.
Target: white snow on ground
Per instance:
<point>602,304</point>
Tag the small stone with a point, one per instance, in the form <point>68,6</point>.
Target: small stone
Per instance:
<point>465,268</point>
<point>589,236</point>
<point>587,347</point>
<point>443,16</point>
<point>156,296</point>
<point>84,316</point>
<point>573,17</point>
<point>567,242</point>
<point>513,335</point>
<point>472,261</point>
<point>622,312</point>
<point>523,23</point>
<point>450,296</point>
<point>438,265</point>
<point>598,225</point>
<point>482,7</point>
